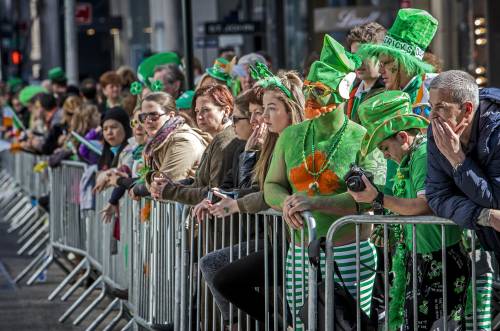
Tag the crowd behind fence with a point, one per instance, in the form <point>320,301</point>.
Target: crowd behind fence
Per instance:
<point>147,258</point>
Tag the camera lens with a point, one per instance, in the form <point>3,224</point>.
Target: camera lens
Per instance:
<point>355,184</point>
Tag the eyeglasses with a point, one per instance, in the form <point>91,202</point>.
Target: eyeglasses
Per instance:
<point>152,117</point>
<point>235,119</point>
<point>316,89</point>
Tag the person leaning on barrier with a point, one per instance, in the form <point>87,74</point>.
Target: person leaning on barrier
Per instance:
<point>213,106</point>
<point>464,168</point>
<point>242,282</point>
<point>397,132</point>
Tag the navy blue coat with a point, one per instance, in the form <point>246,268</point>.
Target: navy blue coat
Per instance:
<point>461,195</point>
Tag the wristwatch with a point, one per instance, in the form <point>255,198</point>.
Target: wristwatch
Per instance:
<point>378,204</point>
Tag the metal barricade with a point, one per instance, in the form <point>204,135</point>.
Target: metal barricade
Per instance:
<point>360,220</point>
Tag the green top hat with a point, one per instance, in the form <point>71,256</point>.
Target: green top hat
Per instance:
<point>407,40</point>
<point>335,68</point>
<point>146,69</point>
<point>185,101</point>
<point>29,92</point>
<point>220,70</point>
<point>56,74</point>
<point>385,114</point>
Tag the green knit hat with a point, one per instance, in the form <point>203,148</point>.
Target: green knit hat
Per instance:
<point>335,68</point>
<point>29,92</point>
<point>385,114</point>
<point>220,70</point>
<point>185,101</point>
<point>57,74</point>
<point>146,70</point>
<point>407,40</point>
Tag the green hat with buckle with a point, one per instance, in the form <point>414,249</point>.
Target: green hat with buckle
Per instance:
<point>335,68</point>
<point>220,70</point>
<point>385,114</point>
<point>406,40</point>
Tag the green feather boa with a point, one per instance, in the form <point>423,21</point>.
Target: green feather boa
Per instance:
<point>398,289</point>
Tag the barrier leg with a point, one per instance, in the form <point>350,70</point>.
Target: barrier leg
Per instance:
<point>103,315</point>
<point>76,284</point>
<point>79,301</point>
<point>43,267</point>
<point>32,264</point>
<point>115,320</point>
<point>94,303</point>
<point>24,219</point>
<point>67,279</point>
<point>40,233</point>
<point>18,218</point>
<point>35,248</point>
<point>129,325</point>
<point>29,225</point>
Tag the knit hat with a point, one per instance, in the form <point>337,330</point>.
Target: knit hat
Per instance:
<point>57,75</point>
<point>335,69</point>
<point>407,40</point>
<point>118,114</point>
<point>29,92</point>
<point>146,70</point>
<point>384,115</point>
<point>185,101</point>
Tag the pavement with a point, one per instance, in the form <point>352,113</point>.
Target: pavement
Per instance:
<point>24,308</point>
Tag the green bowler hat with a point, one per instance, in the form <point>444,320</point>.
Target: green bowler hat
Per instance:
<point>406,40</point>
<point>29,92</point>
<point>385,114</point>
<point>335,68</point>
<point>147,67</point>
<point>57,74</point>
<point>185,101</point>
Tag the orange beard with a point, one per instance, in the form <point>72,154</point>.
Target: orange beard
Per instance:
<point>314,110</point>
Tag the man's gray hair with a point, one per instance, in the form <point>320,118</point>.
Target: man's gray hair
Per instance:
<point>458,85</point>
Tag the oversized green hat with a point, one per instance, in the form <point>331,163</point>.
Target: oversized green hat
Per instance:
<point>384,115</point>
<point>147,67</point>
<point>57,74</point>
<point>185,101</point>
<point>29,92</point>
<point>407,40</point>
<point>220,70</point>
<point>335,68</point>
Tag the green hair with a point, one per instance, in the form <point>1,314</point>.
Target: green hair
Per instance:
<point>411,64</point>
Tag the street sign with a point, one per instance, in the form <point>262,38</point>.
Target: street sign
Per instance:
<point>83,13</point>
<point>218,28</point>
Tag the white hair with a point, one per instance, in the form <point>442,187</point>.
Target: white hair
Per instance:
<point>458,85</point>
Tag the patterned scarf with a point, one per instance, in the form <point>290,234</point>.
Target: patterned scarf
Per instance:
<point>170,126</point>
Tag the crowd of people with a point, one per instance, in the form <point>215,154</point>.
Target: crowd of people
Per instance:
<point>374,127</point>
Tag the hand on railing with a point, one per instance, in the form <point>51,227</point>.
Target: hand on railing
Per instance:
<point>200,211</point>
<point>293,206</point>
<point>108,212</point>
<point>101,183</point>
<point>225,207</point>
<point>114,175</point>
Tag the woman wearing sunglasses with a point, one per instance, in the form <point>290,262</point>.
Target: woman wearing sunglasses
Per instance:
<point>174,148</point>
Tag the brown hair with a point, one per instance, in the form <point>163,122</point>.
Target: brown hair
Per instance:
<point>110,77</point>
<point>433,60</point>
<point>372,32</point>
<point>82,120</point>
<point>219,94</point>
<point>72,105</point>
<point>165,100</point>
<point>243,101</point>
<point>295,107</point>
<point>127,75</point>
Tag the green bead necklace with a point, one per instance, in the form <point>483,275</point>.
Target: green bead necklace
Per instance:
<point>331,152</point>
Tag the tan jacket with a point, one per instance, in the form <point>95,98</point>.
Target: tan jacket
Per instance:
<point>180,154</point>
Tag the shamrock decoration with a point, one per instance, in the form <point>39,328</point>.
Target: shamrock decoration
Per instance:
<point>157,86</point>
<point>136,88</point>
<point>266,79</point>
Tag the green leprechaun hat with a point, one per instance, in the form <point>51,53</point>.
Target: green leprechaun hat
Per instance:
<point>146,69</point>
<point>30,91</point>
<point>407,40</point>
<point>335,69</point>
<point>220,70</point>
<point>385,114</point>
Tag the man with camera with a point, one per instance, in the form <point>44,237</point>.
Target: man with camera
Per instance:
<point>397,132</point>
<point>464,170</point>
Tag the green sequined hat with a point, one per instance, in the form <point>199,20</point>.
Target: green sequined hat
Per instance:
<point>27,93</point>
<point>185,101</point>
<point>335,68</point>
<point>220,70</point>
<point>407,40</point>
<point>146,69</point>
<point>385,114</point>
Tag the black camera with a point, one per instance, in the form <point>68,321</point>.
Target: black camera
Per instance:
<point>353,179</point>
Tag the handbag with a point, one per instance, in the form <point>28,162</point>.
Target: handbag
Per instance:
<point>344,304</point>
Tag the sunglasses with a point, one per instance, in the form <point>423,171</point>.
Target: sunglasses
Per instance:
<point>316,89</point>
<point>134,124</point>
<point>235,119</point>
<point>152,117</point>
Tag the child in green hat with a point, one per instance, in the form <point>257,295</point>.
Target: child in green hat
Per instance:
<point>401,56</point>
<point>397,132</point>
<point>308,176</point>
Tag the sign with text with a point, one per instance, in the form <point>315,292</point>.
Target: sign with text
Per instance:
<point>212,28</point>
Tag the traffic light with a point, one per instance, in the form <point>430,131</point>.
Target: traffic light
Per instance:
<point>15,57</point>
